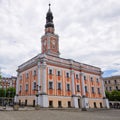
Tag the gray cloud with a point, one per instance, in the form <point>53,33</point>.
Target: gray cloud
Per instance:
<point>88,30</point>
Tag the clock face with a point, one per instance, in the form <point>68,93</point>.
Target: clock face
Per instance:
<point>53,43</point>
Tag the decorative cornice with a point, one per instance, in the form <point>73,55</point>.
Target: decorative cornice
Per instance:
<point>57,61</point>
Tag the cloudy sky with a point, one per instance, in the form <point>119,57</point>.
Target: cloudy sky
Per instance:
<point>89,32</point>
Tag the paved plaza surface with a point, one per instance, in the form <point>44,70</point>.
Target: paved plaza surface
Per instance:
<point>60,115</point>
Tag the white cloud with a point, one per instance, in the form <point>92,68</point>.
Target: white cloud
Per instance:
<point>88,30</point>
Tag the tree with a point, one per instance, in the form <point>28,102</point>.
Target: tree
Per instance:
<point>9,92</point>
<point>113,96</point>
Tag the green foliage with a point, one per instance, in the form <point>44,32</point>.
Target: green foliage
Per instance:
<point>9,92</point>
<point>113,96</point>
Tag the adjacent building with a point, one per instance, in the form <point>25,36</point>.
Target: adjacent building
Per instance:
<point>51,81</point>
<point>7,82</point>
<point>112,83</point>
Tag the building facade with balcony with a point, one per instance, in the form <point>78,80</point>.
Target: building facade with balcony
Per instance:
<point>51,81</point>
<point>112,83</point>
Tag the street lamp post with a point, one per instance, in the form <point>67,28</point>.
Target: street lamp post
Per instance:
<point>38,88</point>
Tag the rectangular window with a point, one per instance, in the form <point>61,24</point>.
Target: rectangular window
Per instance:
<point>35,73</point>
<point>50,71</point>
<point>78,88</point>
<point>58,73</point>
<point>27,75</point>
<point>93,91</point>
<point>110,88</point>
<point>106,89</point>
<point>105,82</point>
<point>50,85</point>
<point>86,89</point>
<point>115,81</point>
<point>97,80</point>
<point>34,86</point>
<point>116,87</point>
<point>91,79</point>
<point>77,76</point>
<point>98,90</point>
<point>68,87</point>
<point>84,77</point>
<point>59,86</point>
<point>109,81</point>
<point>26,87</point>
<point>67,75</point>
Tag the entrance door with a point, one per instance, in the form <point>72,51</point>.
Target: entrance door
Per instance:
<point>79,103</point>
<point>50,103</point>
<point>25,102</point>
<point>59,104</point>
<point>100,105</point>
<point>69,104</point>
<point>95,105</point>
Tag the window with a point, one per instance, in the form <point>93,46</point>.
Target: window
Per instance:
<point>98,90</point>
<point>78,88</point>
<point>109,81</point>
<point>59,86</point>
<point>35,73</point>
<point>93,91</point>
<point>50,85</point>
<point>77,76</point>
<point>50,71</point>
<point>84,77</point>
<point>91,79</point>
<point>34,86</point>
<point>105,82</point>
<point>106,89</point>
<point>58,73</point>
<point>110,88</point>
<point>67,74</point>
<point>116,87</point>
<point>97,80</point>
<point>27,75</point>
<point>68,87</point>
<point>86,89</point>
<point>115,81</point>
<point>26,87</point>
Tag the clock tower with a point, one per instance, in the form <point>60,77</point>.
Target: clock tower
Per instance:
<point>50,41</point>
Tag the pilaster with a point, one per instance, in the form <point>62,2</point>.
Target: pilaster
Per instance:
<point>83,84</point>
<point>73,82</point>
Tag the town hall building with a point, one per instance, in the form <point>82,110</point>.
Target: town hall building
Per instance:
<point>48,80</point>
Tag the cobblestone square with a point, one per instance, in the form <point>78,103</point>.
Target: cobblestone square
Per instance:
<point>60,115</point>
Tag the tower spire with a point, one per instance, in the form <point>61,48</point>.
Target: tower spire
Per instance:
<point>49,18</point>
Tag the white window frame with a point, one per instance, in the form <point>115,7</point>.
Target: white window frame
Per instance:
<point>52,84</point>
<point>57,85</point>
<point>27,75</point>
<point>77,89</point>
<point>69,87</point>
<point>26,87</point>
